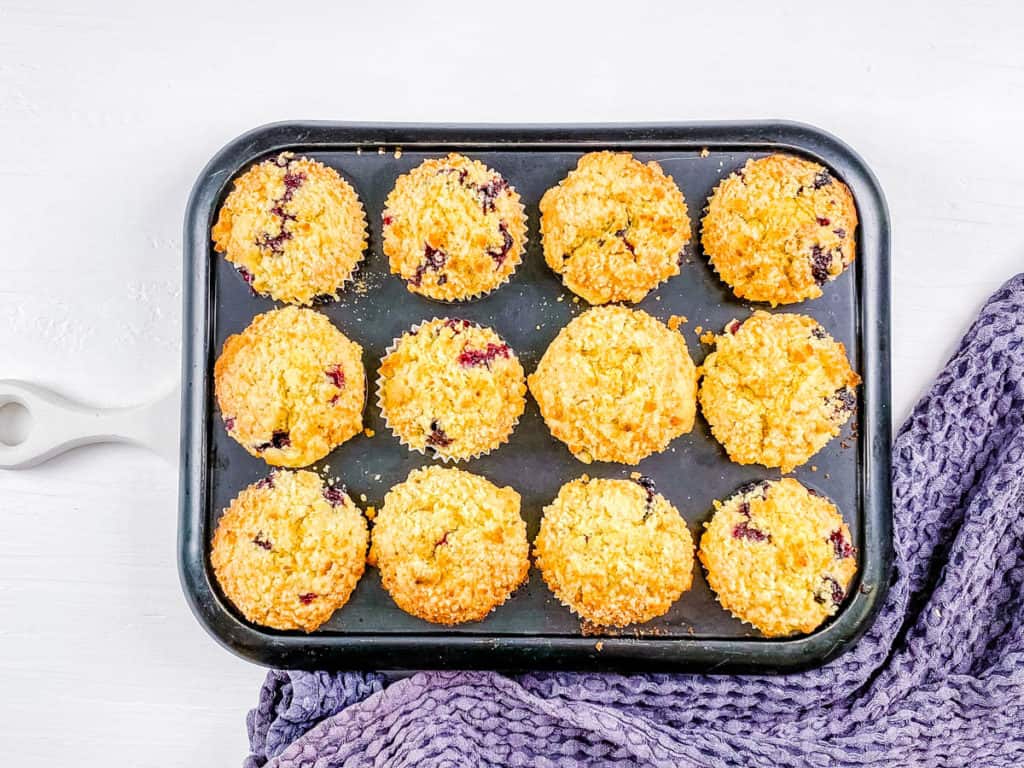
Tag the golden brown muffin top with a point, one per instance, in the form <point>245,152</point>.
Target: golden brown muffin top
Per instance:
<point>289,550</point>
<point>614,551</point>
<point>614,228</point>
<point>776,389</point>
<point>779,557</point>
<point>293,227</point>
<point>450,545</point>
<point>616,385</point>
<point>451,387</point>
<point>453,228</point>
<point>290,387</point>
<point>779,229</point>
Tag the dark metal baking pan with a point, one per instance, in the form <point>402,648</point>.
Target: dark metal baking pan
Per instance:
<point>532,630</point>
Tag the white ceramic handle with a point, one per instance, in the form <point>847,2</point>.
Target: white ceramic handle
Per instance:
<point>58,424</point>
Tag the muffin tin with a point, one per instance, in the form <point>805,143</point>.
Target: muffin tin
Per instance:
<point>532,630</point>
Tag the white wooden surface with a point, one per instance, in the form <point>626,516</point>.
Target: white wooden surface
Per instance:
<point>108,110</point>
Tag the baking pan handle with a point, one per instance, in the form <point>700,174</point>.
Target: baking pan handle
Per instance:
<point>57,424</point>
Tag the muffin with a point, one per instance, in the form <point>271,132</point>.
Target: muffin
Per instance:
<point>616,385</point>
<point>615,552</point>
<point>293,228</point>
<point>779,557</point>
<point>289,550</point>
<point>453,228</point>
<point>450,545</point>
<point>451,387</point>
<point>290,387</point>
<point>776,389</point>
<point>779,229</point>
<point>614,228</point>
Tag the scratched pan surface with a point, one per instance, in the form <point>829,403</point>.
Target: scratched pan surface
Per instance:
<point>532,630</point>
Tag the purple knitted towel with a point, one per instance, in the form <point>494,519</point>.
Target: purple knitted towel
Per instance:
<point>937,681</point>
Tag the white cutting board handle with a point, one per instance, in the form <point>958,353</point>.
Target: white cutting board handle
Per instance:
<point>58,424</point>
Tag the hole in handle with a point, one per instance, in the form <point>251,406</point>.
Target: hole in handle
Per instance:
<point>15,423</point>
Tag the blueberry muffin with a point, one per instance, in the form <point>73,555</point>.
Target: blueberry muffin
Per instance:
<point>614,228</point>
<point>616,385</point>
<point>290,387</point>
<point>776,389</point>
<point>779,557</point>
<point>451,387</point>
<point>453,229</point>
<point>779,229</point>
<point>616,552</point>
<point>293,228</point>
<point>289,550</point>
<point>450,545</point>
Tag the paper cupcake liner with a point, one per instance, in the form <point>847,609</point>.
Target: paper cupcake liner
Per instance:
<point>434,453</point>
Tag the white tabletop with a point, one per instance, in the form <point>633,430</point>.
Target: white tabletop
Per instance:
<point>108,110</point>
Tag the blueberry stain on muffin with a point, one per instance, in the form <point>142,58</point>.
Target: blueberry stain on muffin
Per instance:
<point>280,439</point>
<point>614,227</point>
<point>500,254</point>
<point>438,438</point>
<point>293,227</point>
<point>454,229</point>
<point>285,385</point>
<point>433,261</point>
<point>744,530</point>
<point>774,391</point>
<point>337,376</point>
<point>452,387</point>
<point>471,357</point>
<point>821,262</point>
<point>648,484</point>
<point>773,233</point>
<point>292,181</point>
<point>843,401</point>
<point>778,559</point>
<point>841,544</point>
<point>336,494</point>
<point>284,556</point>
<point>830,590</point>
<point>455,323</point>
<point>489,192</point>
